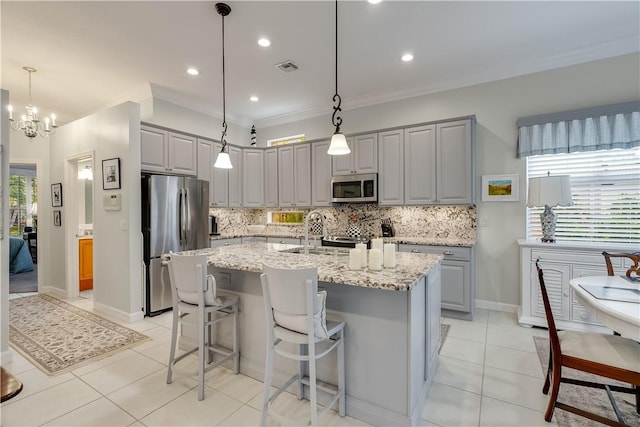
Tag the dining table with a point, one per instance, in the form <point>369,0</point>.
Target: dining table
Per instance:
<point>614,300</point>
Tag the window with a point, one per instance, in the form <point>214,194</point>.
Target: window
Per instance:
<point>606,195</point>
<point>23,198</point>
<point>286,140</point>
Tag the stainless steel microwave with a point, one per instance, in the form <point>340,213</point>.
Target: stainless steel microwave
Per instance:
<point>354,188</point>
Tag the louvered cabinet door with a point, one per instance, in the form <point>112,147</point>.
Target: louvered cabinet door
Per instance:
<point>556,280</point>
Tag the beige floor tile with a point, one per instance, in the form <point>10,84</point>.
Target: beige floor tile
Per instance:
<point>468,331</point>
<point>449,406</point>
<point>187,410</point>
<point>470,351</point>
<point>150,393</point>
<point>121,373</point>
<point>100,412</point>
<point>497,413</point>
<point>158,352</point>
<point>460,374</point>
<point>94,366</point>
<point>158,334</point>
<point>503,319</point>
<point>521,362</point>
<point>240,387</point>
<point>481,316</point>
<point>516,340</point>
<point>165,319</point>
<point>514,388</point>
<point>48,405</point>
<point>34,381</point>
<point>18,363</point>
<point>245,416</point>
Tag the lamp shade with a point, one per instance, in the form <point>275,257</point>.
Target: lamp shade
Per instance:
<point>550,191</point>
<point>223,161</point>
<point>338,145</point>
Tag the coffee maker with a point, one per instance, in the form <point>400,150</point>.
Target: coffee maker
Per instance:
<point>213,225</point>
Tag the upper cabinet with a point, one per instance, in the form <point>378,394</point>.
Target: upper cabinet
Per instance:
<point>420,165</point>
<point>320,174</point>
<point>219,190</point>
<point>252,182</point>
<point>235,177</point>
<point>167,152</point>
<point>205,164</point>
<point>294,175</point>
<point>391,178</point>
<point>362,159</point>
<point>454,178</point>
<point>271,177</point>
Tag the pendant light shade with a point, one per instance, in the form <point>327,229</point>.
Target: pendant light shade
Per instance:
<point>223,161</point>
<point>338,146</point>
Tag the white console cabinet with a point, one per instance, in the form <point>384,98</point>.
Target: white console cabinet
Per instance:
<point>561,262</point>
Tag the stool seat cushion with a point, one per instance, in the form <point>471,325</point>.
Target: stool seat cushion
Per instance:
<point>610,350</point>
<point>298,322</point>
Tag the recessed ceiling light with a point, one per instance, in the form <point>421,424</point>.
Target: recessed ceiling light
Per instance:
<point>264,42</point>
<point>254,98</point>
<point>193,71</point>
<point>374,1</point>
<point>407,57</point>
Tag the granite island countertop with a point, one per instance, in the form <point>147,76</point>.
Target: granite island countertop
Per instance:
<point>332,267</point>
<point>430,241</point>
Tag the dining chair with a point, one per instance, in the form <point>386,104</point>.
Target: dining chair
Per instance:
<point>296,317</point>
<point>609,356</point>
<point>194,294</point>
<point>633,256</point>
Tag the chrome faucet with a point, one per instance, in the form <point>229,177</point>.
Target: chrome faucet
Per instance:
<point>306,228</point>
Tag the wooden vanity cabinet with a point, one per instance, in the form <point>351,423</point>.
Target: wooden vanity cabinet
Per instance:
<point>85,263</point>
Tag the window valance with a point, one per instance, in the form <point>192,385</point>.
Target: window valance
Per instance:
<point>598,128</point>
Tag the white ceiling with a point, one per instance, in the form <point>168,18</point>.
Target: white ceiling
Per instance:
<point>92,54</point>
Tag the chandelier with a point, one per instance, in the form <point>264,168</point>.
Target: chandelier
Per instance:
<point>29,121</point>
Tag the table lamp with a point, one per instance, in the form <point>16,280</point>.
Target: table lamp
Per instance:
<point>549,191</point>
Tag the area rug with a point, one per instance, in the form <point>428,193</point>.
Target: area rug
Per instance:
<point>594,400</point>
<point>57,336</point>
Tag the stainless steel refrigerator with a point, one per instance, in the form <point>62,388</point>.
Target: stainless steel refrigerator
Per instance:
<point>175,214</point>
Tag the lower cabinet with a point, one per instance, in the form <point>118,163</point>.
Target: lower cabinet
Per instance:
<point>458,285</point>
<point>216,243</point>
<point>284,240</point>
<point>561,262</point>
<point>85,264</point>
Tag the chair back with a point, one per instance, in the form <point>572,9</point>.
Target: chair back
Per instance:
<point>288,295</point>
<point>553,332</point>
<point>633,256</point>
<point>189,282</point>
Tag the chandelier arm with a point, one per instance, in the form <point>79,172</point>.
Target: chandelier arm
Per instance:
<point>336,120</point>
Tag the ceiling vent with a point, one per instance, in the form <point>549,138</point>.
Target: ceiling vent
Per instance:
<point>286,66</point>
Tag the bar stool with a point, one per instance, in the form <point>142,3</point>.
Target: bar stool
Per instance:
<point>296,314</point>
<point>194,293</point>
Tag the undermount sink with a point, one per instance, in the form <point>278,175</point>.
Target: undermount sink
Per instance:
<point>318,250</point>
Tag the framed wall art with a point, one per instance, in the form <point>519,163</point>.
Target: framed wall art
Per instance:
<point>111,174</point>
<point>56,195</point>
<point>500,188</point>
<point>57,217</point>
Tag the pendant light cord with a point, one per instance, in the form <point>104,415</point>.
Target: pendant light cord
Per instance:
<point>224,95</point>
<point>335,119</point>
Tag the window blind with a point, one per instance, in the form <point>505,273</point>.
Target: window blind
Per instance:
<point>606,195</point>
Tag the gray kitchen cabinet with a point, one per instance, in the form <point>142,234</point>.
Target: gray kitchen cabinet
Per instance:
<point>167,152</point>
<point>458,278</point>
<point>205,164</point>
<point>420,165</point>
<point>216,243</point>
<point>362,159</point>
<point>252,182</point>
<point>219,192</point>
<point>320,174</point>
<point>294,175</point>
<point>454,166</point>
<point>235,177</point>
<point>271,177</point>
<point>391,166</point>
<point>284,240</point>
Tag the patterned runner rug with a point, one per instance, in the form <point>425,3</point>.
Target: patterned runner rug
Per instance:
<point>594,400</point>
<point>57,336</point>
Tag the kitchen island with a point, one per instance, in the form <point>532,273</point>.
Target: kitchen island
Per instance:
<point>392,317</point>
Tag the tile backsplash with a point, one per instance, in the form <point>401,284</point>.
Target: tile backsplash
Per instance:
<point>408,221</point>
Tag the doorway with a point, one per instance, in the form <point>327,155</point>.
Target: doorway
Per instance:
<point>79,171</point>
<point>23,227</point>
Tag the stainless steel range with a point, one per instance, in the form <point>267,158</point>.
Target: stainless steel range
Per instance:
<point>345,241</point>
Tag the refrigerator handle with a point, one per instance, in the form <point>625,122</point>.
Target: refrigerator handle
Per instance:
<point>187,230</point>
<point>182,217</point>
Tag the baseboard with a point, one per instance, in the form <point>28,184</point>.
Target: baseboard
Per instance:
<point>53,291</point>
<point>118,314</point>
<point>496,306</point>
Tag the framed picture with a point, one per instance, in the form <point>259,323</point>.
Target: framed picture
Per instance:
<point>500,188</point>
<point>57,217</point>
<point>56,195</point>
<point>111,174</point>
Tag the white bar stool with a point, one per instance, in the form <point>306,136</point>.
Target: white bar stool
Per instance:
<point>296,314</point>
<point>194,292</point>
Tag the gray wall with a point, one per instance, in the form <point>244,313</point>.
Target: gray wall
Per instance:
<point>496,105</point>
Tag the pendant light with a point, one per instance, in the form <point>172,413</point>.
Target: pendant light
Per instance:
<point>223,161</point>
<point>338,144</point>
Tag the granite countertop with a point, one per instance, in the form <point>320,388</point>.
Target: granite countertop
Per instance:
<point>431,241</point>
<point>410,267</point>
